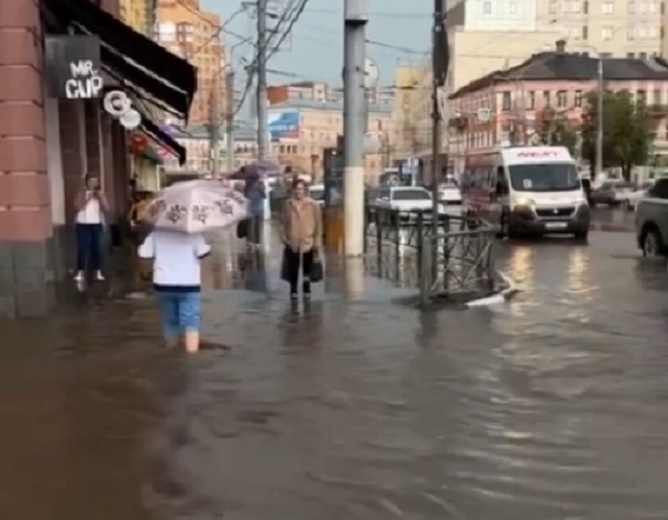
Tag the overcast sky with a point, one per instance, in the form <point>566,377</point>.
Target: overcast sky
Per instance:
<point>315,50</point>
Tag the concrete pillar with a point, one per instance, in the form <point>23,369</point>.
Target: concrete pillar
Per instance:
<point>25,213</point>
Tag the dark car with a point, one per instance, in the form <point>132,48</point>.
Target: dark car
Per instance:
<point>610,193</point>
<point>651,220</point>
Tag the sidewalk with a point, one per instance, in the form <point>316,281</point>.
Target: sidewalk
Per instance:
<point>101,422</point>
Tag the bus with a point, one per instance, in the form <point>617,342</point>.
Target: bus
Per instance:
<point>526,190</point>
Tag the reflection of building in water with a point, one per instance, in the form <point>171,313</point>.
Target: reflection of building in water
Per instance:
<point>521,267</point>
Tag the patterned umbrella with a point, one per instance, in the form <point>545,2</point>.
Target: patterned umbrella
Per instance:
<point>195,207</point>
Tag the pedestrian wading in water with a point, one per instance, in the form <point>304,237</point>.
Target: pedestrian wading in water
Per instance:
<point>302,235</point>
<point>177,282</point>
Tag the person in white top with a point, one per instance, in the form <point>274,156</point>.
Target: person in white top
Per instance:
<point>177,282</point>
<point>91,206</point>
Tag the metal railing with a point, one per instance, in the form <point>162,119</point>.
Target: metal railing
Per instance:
<point>454,258</point>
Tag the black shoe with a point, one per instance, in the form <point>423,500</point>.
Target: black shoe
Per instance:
<point>306,289</point>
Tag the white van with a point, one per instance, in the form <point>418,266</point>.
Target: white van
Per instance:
<point>527,190</point>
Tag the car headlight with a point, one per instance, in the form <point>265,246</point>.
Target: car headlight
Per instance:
<point>522,202</point>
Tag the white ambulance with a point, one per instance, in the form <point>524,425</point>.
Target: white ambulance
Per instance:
<point>527,190</point>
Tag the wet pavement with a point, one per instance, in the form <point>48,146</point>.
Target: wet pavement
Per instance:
<point>551,407</point>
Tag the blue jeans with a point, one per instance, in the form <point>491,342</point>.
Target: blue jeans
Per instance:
<point>180,312</point>
<point>89,246</point>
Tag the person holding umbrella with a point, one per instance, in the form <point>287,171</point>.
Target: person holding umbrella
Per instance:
<point>179,216</point>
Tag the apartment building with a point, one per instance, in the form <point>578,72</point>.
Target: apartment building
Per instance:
<point>301,129</point>
<point>194,34</point>
<point>138,14</point>
<point>514,99</point>
<point>323,92</point>
<point>619,28</point>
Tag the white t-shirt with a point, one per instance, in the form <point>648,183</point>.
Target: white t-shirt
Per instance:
<point>176,259</point>
<point>91,213</point>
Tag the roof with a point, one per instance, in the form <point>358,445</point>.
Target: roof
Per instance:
<point>333,106</point>
<point>571,67</point>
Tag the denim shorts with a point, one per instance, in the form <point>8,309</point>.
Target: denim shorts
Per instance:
<point>180,312</point>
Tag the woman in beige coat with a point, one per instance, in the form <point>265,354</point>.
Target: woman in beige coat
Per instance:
<point>302,236</point>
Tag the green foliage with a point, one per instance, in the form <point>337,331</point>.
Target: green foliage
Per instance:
<point>627,131</point>
<point>556,130</point>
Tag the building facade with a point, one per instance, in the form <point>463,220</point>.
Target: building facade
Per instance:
<point>49,142</point>
<point>194,34</point>
<point>301,129</point>
<point>138,14</point>
<point>506,106</point>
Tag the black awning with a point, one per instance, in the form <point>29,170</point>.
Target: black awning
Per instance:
<point>164,139</point>
<point>136,58</point>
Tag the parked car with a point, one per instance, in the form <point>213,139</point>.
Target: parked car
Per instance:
<point>449,193</point>
<point>317,193</point>
<point>610,193</point>
<point>631,198</point>
<point>651,220</point>
<point>407,199</point>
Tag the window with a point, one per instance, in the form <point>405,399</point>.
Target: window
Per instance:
<point>577,101</point>
<point>553,6</point>
<point>606,33</point>
<point>641,97</point>
<point>513,8</point>
<point>660,189</point>
<point>487,8</point>
<point>632,7</point>
<point>608,7</point>
<point>585,7</point>
<point>506,102</point>
<point>531,100</point>
<point>576,6</point>
<point>656,97</point>
<point>585,32</point>
<point>631,55</point>
<point>546,98</point>
<point>562,99</point>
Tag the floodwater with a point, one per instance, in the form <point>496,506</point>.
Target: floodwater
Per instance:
<point>554,406</point>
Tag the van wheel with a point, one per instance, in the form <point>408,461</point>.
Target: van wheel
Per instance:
<point>652,244</point>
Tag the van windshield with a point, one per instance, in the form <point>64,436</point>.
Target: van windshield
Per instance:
<point>544,177</point>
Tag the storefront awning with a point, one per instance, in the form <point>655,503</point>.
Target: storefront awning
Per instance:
<point>163,139</point>
<point>131,57</point>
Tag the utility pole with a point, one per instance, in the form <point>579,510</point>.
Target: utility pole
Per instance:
<point>214,131</point>
<point>440,64</point>
<point>354,124</point>
<point>229,121</point>
<point>599,120</point>
<point>262,133</point>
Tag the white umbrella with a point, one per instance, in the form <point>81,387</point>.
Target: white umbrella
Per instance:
<point>196,206</point>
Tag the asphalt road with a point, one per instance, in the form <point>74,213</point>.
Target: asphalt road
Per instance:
<point>551,407</point>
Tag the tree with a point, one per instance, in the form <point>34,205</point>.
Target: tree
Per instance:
<point>556,130</point>
<point>627,131</point>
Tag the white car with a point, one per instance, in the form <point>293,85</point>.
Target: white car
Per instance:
<point>449,193</point>
<point>317,193</point>
<point>405,200</point>
<point>629,199</point>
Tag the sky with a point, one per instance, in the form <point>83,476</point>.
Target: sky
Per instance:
<point>315,51</point>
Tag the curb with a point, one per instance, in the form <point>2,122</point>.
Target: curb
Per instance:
<point>501,297</point>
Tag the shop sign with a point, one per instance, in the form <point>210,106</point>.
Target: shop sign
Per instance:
<point>73,67</point>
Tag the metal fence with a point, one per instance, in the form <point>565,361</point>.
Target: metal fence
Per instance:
<point>455,257</point>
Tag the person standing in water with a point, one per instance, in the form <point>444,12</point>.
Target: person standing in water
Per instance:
<point>302,236</point>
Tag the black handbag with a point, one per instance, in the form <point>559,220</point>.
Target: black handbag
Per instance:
<point>242,229</point>
<point>317,271</point>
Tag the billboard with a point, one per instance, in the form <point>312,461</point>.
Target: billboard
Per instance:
<point>73,67</point>
<point>283,125</point>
